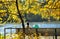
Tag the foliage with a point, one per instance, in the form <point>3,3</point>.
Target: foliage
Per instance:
<point>48,9</point>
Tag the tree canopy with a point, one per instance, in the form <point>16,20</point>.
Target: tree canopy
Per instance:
<point>46,9</point>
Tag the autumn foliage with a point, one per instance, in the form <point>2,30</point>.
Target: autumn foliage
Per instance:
<point>45,8</point>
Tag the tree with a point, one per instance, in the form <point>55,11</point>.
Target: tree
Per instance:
<point>3,12</point>
<point>20,17</point>
<point>45,8</point>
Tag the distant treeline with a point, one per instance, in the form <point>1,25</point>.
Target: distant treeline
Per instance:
<point>37,18</point>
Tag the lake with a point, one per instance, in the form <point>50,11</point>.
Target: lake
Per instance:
<point>32,24</point>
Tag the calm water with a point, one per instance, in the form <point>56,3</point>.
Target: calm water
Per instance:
<point>41,25</point>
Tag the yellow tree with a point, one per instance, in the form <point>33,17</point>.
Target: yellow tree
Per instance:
<point>47,8</point>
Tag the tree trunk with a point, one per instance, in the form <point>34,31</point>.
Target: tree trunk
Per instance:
<point>20,17</point>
